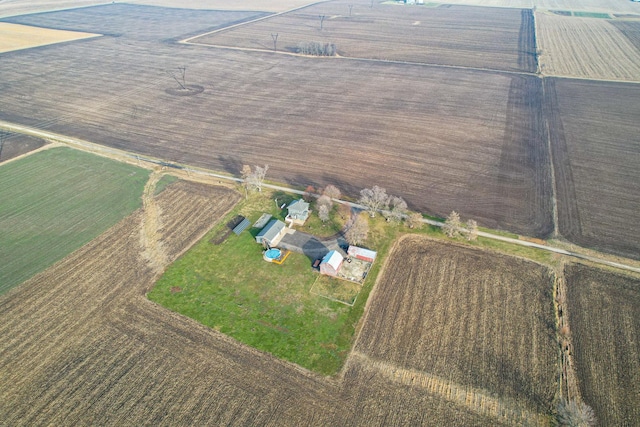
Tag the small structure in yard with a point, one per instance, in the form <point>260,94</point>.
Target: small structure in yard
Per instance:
<point>331,263</point>
<point>262,221</point>
<point>362,254</point>
<point>241,226</point>
<point>271,234</point>
<point>297,212</point>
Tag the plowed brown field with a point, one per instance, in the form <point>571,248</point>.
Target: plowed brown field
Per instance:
<point>82,345</point>
<point>604,315</point>
<point>474,327</point>
<point>443,139</point>
<point>596,153</point>
<point>498,38</point>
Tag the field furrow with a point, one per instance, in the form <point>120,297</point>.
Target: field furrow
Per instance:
<point>432,303</point>
<point>604,317</point>
<point>442,139</point>
<point>492,38</point>
<point>585,48</point>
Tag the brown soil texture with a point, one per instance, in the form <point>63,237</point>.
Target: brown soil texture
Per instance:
<point>604,316</point>
<point>587,47</point>
<point>82,345</point>
<point>443,139</point>
<point>15,144</point>
<point>596,153</point>
<point>458,319</point>
<point>631,30</point>
<point>498,39</point>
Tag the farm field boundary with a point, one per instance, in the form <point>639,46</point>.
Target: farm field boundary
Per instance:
<point>432,38</point>
<point>54,201</point>
<point>592,127</point>
<point>603,310</point>
<point>193,171</point>
<point>437,303</point>
<point>587,48</point>
<point>17,37</point>
<point>476,400</point>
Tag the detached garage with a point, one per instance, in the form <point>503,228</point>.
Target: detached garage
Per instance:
<point>362,254</point>
<point>331,263</point>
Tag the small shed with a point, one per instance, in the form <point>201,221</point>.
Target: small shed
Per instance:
<point>297,212</point>
<point>272,233</point>
<point>361,253</point>
<point>331,263</point>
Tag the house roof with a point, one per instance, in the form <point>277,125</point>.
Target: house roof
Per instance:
<point>334,259</point>
<point>298,207</point>
<point>271,230</point>
<point>365,253</point>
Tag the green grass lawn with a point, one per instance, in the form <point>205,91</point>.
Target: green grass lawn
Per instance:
<point>230,288</point>
<point>55,201</point>
<point>338,217</point>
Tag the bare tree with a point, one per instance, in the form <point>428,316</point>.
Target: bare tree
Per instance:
<point>257,178</point>
<point>575,414</point>
<point>317,49</point>
<point>274,36</point>
<point>374,199</point>
<point>183,71</point>
<point>472,230</point>
<point>246,173</point>
<point>350,8</point>
<point>322,17</point>
<point>323,213</point>
<point>358,231</point>
<point>397,209</point>
<point>332,192</point>
<point>324,200</point>
<point>414,220</point>
<point>452,225</point>
<point>253,179</point>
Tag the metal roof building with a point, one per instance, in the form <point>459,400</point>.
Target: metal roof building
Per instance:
<point>271,233</point>
<point>331,263</point>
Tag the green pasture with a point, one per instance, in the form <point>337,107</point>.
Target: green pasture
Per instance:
<point>55,201</point>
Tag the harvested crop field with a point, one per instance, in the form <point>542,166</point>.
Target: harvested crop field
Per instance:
<point>596,153</point>
<point>588,48</point>
<point>443,139</point>
<point>498,38</point>
<point>84,346</point>
<point>54,201</point>
<point>17,37</point>
<point>474,327</point>
<point>602,6</point>
<point>631,30</point>
<point>604,315</point>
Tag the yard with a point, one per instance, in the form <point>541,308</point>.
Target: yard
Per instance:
<point>230,288</point>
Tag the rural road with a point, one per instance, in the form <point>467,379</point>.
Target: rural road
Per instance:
<point>121,155</point>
